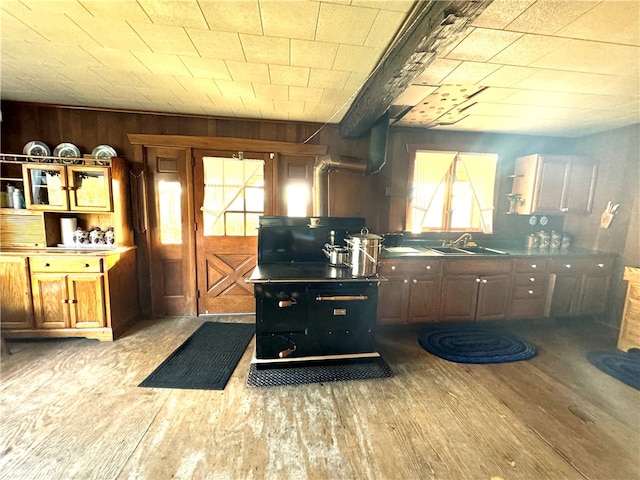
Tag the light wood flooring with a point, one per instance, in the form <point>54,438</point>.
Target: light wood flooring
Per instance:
<point>71,409</point>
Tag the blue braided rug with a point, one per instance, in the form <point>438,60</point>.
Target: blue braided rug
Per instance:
<point>623,366</point>
<point>470,344</point>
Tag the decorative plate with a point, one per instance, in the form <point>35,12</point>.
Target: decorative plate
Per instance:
<point>37,149</point>
<point>103,152</point>
<point>533,220</point>
<point>68,152</point>
<point>544,220</point>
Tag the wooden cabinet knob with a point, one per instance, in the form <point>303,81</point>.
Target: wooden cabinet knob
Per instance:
<point>405,281</point>
<point>601,265</point>
<point>568,265</point>
<point>415,281</point>
<point>533,265</point>
<point>530,292</point>
<point>428,267</point>
<point>393,267</point>
<point>484,280</point>
<point>477,280</point>
<point>532,279</point>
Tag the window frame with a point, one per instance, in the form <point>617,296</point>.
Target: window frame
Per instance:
<point>412,150</point>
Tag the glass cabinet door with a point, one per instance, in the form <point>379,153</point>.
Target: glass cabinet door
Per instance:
<point>89,188</point>
<point>45,187</point>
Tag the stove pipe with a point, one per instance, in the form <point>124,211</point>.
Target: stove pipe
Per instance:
<point>325,163</point>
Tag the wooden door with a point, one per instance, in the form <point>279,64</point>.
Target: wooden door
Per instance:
<point>230,193</point>
<point>86,300</point>
<point>16,310</point>
<point>172,259</point>
<point>493,297</point>
<point>50,300</point>
<point>551,184</point>
<point>459,297</point>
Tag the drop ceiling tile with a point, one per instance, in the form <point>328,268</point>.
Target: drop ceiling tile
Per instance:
<point>180,13</point>
<point>282,19</point>
<point>436,71</point>
<point>527,49</point>
<point>214,44</point>
<point>162,63</point>
<point>401,6</point>
<point>385,22</point>
<point>248,72</point>
<point>235,89</point>
<point>546,112</point>
<point>129,10</point>
<point>470,72</point>
<point>294,76</point>
<point>344,24</point>
<point>356,59</point>
<point>259,49</point>
<point>206,67</point>
<point>13,29</point>
<point>225,16</point>
<point>576,82</point>
<point>414,94</point>
<point>482,44</point>
<point>356,81</point>
<point>258,103</point>
<point>501,13</point>
<point>321,78</point>
<point>313,54</point>
<point>52,7</point>
<point>305,94</point>
<point>53,26</point>
<point>507,75</point>
<point>549,16</point>
<point>116,60</point>
<point>196,87</point>
<point>165,39</point>
<point>276,92</point>
<point>226,101</point>
<point>293,107</point>
<point>115,34</point>
<point>610,21</point>
<point>337,97</point>
<point>593,57</point>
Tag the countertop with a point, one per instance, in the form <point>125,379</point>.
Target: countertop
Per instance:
<point>420,251</point>
<point>65,251</point>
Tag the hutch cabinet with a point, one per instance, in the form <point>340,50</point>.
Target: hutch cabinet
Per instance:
<point>554,184</point>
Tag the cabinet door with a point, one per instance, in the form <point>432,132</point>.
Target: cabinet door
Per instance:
<point>16,309</point>
<point>50,296</point>
<point>551,184</point>
<point>595,286</point>
<point>565,291</point>
<point>86,301</point>
<point>392,300</point>
<point>89,188</point>
<point>459,297</point>
<point>424,299</point>
<point>45,187</point>
<point>493,297</point>
<point>580,187</point>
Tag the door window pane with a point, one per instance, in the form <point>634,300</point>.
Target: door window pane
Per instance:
<point>233,196</point>
<point>170,212</point>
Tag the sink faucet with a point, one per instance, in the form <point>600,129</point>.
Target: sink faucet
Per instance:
<point>461,241</point>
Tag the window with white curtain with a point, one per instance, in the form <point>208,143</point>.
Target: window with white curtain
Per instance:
<point>452,191</point>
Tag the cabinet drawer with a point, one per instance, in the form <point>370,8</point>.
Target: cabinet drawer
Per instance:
<point>530,279</point>
<point>530,265</point>
<point>533,291</point>
<point>598,265</point>
<point>410,267</point>
<point>66,265</point>
<point>477,266</point>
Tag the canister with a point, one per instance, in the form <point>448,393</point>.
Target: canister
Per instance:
<point>566,242</point>
<point>364,251</point>
<point>532,241</point>
<point>556,240</point>
<point>545,240</point>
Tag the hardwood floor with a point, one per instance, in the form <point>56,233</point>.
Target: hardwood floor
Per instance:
<point>71,409</point>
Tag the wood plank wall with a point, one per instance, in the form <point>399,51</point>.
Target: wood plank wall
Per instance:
<point>356,195</point>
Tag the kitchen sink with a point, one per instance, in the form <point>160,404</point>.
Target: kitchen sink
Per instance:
<point>467,251</point>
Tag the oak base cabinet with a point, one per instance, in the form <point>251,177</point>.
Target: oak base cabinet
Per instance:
<point>411,291</point>
<point>72,295</point>
<point>16,309</point>
<point>629,336</point>
<point>530,278</point>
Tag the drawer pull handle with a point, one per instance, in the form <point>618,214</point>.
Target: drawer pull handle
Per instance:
<point>530,292</point>
<point>568,265</point>
<point>47,264</point>
<point>287,303</point>
<point>601,265</point>
<point>477,280</point>
<point>87,265</point>
<point>484,280</point>
<point>72,301</point>
<point>532,279</point>
<point>428,267</point>
<point>64,300</point>
<point>534,265</point>
<point>343,298</point>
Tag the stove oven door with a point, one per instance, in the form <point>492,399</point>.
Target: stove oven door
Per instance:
<point>342,317</point>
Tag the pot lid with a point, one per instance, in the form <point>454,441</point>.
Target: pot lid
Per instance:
<point>364,234</point>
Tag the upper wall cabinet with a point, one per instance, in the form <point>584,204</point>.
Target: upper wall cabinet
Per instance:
<point>67,187</point>
<point>554,184</point>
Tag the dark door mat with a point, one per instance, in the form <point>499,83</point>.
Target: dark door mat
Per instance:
<point>469,344</point>
<point>312,373</point>
<point>206,360</point>
<point>623,366</point>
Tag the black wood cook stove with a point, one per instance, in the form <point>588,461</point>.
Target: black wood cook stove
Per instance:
<point>306,309</point>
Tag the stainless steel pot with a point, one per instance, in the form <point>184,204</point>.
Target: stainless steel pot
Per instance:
<point>338,256</point>
<point>364,252</point>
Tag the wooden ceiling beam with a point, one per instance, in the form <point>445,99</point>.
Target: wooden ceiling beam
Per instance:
<point>429,29</point>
